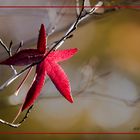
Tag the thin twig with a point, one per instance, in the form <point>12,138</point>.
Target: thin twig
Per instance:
<point>18,124</point>
<point>10,48</point>
<point>4,46</point>
<point>77,7</point>
<point>23,81</point>
<point>19,47</point>
<point>9,51</point>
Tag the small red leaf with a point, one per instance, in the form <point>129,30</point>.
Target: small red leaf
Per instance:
<point>48,66</point>
<point>61,55</point>
<point>36,86</point>
<point>41,45</point>
<point>59,78</point>
<point>24,57</point>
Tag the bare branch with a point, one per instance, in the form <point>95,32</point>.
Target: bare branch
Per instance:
<point>18,124</point>
<point>19,47</point>
<point>9,51</point>
<point>77,7</point>
<point>10,48</point>
<point>23,81</point>
<point>4,46</point>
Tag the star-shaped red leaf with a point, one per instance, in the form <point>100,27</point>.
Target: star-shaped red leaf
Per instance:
<point>48,66</point>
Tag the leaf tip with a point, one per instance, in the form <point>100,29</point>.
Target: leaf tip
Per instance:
<point>75,50</point>
<point>41,45</point>
<point>70,99</point>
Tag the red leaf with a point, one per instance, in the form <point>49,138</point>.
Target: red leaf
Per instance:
<point>59,78</point>
<point>36,86</point>
<point>41,45</point>
<point>24,57</point>
<point>48,66</point>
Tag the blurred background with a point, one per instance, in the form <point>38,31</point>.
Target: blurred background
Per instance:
<point>104,75</point>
